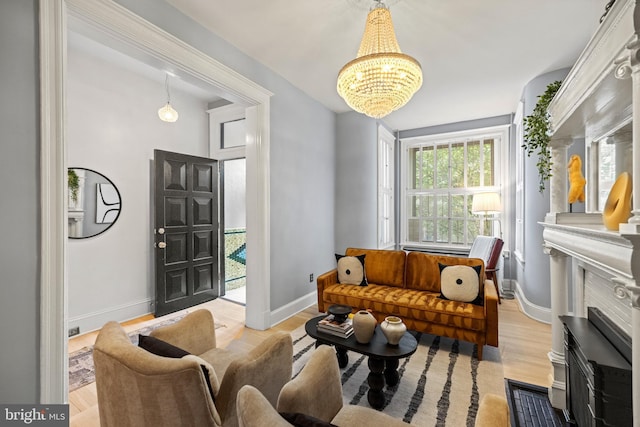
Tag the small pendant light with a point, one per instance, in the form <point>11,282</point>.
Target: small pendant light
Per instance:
<point>167,113</point>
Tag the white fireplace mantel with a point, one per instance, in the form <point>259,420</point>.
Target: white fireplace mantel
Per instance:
<point>584,238</point>
<point>590,265</point>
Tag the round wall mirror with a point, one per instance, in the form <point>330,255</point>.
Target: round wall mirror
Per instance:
<point>94,203</point>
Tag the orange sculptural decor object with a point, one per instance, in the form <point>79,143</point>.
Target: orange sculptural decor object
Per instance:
<point>576,179</point>
<point>617,210</point>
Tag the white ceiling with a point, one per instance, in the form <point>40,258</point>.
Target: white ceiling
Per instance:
<point>476,55</point>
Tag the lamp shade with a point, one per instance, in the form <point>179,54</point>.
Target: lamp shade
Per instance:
<point>381,79</point>
<point>168,114</point>
<point>486,203</point>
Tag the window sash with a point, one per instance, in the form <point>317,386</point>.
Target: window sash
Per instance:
<point>437,202</point>
<point>386,189</point>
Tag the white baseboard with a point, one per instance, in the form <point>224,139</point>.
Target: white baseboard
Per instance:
<point>95,320</point>
<point>536,312</point>
<point>294,307</point>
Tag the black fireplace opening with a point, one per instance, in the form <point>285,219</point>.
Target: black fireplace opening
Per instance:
<point>598,371</point>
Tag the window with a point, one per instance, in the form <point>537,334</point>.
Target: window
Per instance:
<point>227,132</point>
<point>441,173</point>
<point>386,206</point>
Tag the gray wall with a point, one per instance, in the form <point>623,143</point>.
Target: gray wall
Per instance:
<point>113,128</point>
<point>19,253</point>
<point>356,201</point>
<point>302,159</point>
<point>302,182</point>
<point>533,276</point>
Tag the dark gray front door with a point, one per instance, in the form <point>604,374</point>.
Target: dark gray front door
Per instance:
<point>186,231</point>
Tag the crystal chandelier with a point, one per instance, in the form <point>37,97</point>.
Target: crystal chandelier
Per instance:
<point>167,113</point>
<point>381,79</point>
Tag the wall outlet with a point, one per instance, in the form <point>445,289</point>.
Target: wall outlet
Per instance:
<point>74,331</point>
<point>310,277</point>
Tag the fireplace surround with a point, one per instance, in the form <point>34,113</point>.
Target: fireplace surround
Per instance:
<point>599,101</point>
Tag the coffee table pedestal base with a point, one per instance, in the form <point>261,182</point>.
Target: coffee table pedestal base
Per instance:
<point>381,373</point>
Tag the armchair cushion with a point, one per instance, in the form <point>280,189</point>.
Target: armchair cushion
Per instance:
<point>460,283</point>
<point>351,270</point>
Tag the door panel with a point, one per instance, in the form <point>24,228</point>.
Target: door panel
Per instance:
<point>186,220</point>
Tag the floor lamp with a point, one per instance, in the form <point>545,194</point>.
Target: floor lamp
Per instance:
<point>487,204</point>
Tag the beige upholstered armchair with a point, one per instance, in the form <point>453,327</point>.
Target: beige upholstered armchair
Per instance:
<point>316,391</point>
<point>138,388</point>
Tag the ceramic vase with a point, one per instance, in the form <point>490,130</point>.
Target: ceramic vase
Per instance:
<point>364,325</point>
<point>393,329</point>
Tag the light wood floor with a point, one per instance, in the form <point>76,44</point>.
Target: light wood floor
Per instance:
<point>524,344</point>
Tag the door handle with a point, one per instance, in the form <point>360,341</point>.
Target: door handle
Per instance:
<point>160,230</point>
<point>162,245</point>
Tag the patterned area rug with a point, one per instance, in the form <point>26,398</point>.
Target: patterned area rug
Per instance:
<point>441,384</point>
<point>81,372</point>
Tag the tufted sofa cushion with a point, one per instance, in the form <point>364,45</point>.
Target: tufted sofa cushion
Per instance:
<point>423,272</point>
<point>382,267</point>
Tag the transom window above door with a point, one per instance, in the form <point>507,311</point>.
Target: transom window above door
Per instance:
<point>228,133</point>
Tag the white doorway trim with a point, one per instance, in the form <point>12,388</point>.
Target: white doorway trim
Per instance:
<point>123,25</point>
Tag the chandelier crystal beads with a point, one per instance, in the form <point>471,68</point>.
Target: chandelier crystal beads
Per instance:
<point>381,79</point>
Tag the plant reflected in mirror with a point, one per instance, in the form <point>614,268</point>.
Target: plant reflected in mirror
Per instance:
<point>94,203</point>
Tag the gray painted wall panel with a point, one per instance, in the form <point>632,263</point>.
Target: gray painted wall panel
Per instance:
<point>302,160</point>
<point>534,278</point>
<point>19,161</point>
<point>356,182</point>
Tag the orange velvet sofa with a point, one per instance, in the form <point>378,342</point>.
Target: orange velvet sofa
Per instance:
<point>407,285</point>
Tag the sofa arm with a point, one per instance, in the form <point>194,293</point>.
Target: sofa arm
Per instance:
<point>491,313</point>
<point>324,281</point>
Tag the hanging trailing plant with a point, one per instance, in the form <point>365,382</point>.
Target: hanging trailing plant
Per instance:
<point>74,184</point>
<point>537,134</point>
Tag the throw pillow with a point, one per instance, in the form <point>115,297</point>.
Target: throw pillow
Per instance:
<point>351,270</point>
<point>460,283</point>
<point>165,349</point>
<point>302,420</point>
<point>160,348</point>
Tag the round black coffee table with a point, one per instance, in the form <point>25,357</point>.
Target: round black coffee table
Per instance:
<point>383,358</point>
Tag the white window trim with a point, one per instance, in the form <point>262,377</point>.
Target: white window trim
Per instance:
<point>386,173</point>
<point>520,213</point>
<point>501,163</point>
<point>218,116</point>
